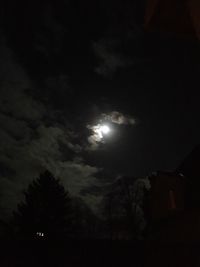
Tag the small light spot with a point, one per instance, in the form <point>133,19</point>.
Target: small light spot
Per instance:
<point>40,234</point>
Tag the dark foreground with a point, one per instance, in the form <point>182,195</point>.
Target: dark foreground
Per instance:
<point>98,253</point>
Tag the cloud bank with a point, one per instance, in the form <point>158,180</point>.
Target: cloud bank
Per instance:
<point>32,139</point>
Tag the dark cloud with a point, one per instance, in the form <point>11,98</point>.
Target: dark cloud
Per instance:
<point>31,140</point>
<point>109,59</point>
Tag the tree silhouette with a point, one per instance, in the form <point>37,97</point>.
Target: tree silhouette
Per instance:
<point>46,212</point>
<point>123,208</point>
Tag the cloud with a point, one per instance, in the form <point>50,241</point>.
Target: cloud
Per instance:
<point>94,142</point>
<point>32,139</point>
<point>119,118</point>
<point>17,101</point>
<point>96,137</point>
<point>109,60</point>
<point>77,176</point>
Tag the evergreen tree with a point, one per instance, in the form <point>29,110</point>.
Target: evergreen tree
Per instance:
<point>46,212</point>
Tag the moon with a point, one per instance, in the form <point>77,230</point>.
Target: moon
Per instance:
<point>101,130</point>
<point>104,129</point>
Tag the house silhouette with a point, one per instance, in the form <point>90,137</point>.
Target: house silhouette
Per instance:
<point>173,202</point>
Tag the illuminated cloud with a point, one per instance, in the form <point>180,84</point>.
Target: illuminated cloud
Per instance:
<point>119,118</point>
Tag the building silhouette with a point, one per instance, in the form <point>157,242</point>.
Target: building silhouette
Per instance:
<point>173,215</point>
<point>173,202</point>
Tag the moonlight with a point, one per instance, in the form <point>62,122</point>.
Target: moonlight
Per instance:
<point>101,130</point>
<point>104,129</point>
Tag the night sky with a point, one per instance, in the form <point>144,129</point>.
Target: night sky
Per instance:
<point>68,65</point>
